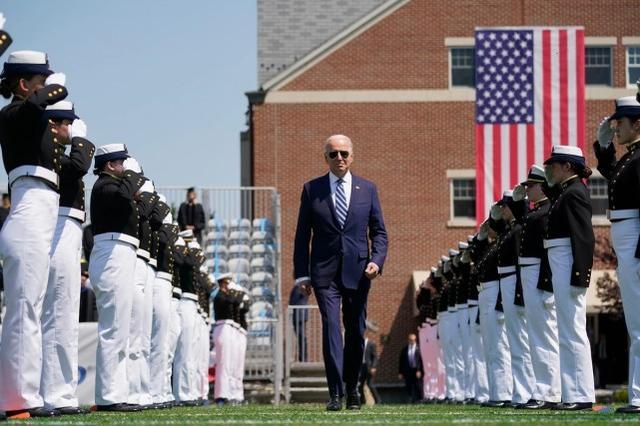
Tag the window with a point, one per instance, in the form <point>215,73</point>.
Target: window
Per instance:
<point>462,67</point>
<point>598,190</point>
<point>598,66</point>
<point>463,198</point>
<point>633,65</point>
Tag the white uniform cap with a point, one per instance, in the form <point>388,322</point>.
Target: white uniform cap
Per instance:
<point>193,245</point>
<point>462,245</point>
<point>27,57</point>
<point>223,276</point>
<point>566,150</point>
<point>444,259</point>
<point>61,106</point>
<point>179,242</point>
<point>453,252</point>
<point>187,233</point>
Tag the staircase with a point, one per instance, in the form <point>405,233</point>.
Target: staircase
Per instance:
<point>307,382</point>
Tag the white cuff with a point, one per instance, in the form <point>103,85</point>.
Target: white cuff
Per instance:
<point>302,279</point>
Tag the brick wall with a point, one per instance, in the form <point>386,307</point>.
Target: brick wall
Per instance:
<point>405,148</point>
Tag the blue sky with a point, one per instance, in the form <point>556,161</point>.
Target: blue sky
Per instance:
<point>165,77</point>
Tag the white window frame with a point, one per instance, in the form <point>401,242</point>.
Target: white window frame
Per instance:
<point>457,43</point>
<point>626,64</point>
<point>603,44</point>
<point>599,219</point>
<point>452,175</point>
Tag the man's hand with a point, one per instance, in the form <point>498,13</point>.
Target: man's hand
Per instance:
<point>306,286</point>
<point>373,371</point>
<point>400,376</point>
<point>418,374</point>
<point>372,271</point>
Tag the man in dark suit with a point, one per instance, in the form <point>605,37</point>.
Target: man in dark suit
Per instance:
<point>191,215</point>
<point>343,213</point>
<point>411,369</point>
<point>368,370</point>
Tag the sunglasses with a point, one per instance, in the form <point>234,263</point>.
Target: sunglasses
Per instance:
<point>343,154</point>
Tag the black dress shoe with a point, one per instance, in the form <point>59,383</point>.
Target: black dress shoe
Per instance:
<point>573,406</point>
<point>121,408</point>
<point>516,405</point>
<point>334,404</point>
<point>495,404</point>
<point>33,412</point>
<point>353,401</point>
<point>67,411</point>
<point>536,404</point>
<point>629,409</point>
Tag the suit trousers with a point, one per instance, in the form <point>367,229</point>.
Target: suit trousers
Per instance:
<point>25,245</point>
<point>224,335</point>
<point>495,343</point>
<point>342,359</point>
<point>576,370</point>
<point>111,270</point>
<point>624,235</point>
<point>159,354</point>
<point>481,382</point>
<point>468,371</point>
<point>60,317</point>
<point>184,365</point>
<point>174,336</point>
<point>135,361</point>
<point>540,310</point>
<point>517,334</point>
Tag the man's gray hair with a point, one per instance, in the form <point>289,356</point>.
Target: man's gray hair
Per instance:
<point>346,138</point>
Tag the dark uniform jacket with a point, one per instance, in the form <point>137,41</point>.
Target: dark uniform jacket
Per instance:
<point>146,203</point>
<point>570,217</point>
<point>531,237</point>
<point>192,214</point>
<point>113,208</point>
<point>25,136</point>
<point>508,256</point>
<point>179,253</point>
<point>74,167</point>
<point>160,211</point>
<point>224,305</point>
<point>167,236</point>
<point>623,177</point>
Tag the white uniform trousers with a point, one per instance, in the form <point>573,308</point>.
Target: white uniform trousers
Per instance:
<point>60,317</point>
<point>147,318</point>
<point>224,335</point>
<point>495,343</point>
<point>136,331</point>
<point>576,370</point>
<point>450,337</point>
<point>184,367</point>
<point>624,235</point>
<point>424,354</point>
<point>206,344</point>
<point>111,270</point>
<point>468,370</point>
<point>449,376</point>
<point>240,349</point>
<point>25,244</point>
<point>517,334</point>
<point>540,310</point>
<point>174,336</point>
<point>160,339</point>
<point>432,362</point>
<point>481,383</point>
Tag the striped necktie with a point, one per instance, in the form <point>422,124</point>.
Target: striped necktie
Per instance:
<point>341,203</point>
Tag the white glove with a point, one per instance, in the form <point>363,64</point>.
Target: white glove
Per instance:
<point>56,78</point>
<point>168,219</point>
<point>77,129</point>
<point>2,20</point>
<point>496,213</point>
<point>483,233</point>
<point>147,186</point>
<point>447,266</point>
<point>132,164</point>
<point>549,176</point>
<point>466,257</point>
<point>519,193</point>
<point>605,133</point>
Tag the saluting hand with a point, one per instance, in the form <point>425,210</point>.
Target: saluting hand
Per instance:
<point>372,271</point>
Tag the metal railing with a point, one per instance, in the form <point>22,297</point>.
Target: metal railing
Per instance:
<point>303,340</point>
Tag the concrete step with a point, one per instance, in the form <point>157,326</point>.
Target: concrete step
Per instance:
<point>307,369</point>
<point>313,394</point>
<point>308,382</point>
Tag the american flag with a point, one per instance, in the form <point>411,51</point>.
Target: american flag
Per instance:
<point>529,96</point>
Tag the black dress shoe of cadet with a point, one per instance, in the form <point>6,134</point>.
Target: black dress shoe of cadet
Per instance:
<point>335,403</point>
<point>120,408</point>
<point>629,409</point>
<point>573,406</point>
<point>536,404</point>
<point>33,412</point>
<point>495,404</point>
<point>353,401</point>
<point>69,411</point>
<point>516,405</point>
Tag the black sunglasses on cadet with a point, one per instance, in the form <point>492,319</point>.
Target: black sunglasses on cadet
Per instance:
<point>343,154</point>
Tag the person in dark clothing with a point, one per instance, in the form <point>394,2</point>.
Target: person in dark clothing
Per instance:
<point>368,369</point>
<point>299,297</point>
<point>87,241</point>
<point>88,308</point>
<point>410,369</point>
<point>191,215</point>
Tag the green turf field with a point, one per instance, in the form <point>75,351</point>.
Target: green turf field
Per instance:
<point>315,414</point>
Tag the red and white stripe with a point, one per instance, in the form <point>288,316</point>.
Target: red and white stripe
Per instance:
<point>504,152</point>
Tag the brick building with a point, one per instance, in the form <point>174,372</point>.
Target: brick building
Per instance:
<point>398,80</point>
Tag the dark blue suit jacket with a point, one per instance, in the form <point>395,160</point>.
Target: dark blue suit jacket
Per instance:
<point>332,247</point>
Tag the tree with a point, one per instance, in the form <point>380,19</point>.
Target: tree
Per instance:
<point>607,287</point>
